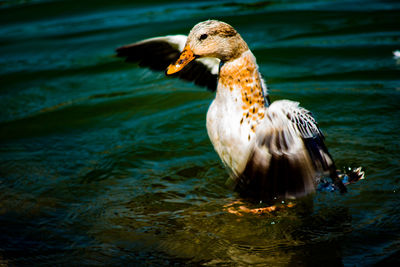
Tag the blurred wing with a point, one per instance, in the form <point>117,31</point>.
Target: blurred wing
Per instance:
<point>312,136</point>
<point>314,141</point>
<point>288,157</point>
<point>159,52</point>
<point>279,165</point>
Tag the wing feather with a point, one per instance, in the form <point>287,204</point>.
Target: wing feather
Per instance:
<point>159,52</point>
<point>289,155</point>
<point>313,140</point>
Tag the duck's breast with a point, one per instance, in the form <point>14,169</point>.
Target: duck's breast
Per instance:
<point>230,135</point>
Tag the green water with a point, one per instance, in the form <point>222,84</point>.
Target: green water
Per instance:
<point>106,163</point>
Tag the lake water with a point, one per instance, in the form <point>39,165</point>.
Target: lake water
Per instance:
<point>106,163</point>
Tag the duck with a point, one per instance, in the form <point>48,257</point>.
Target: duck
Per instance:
<point>272,150</point>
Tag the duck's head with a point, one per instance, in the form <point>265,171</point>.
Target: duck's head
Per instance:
<point>210,38</point>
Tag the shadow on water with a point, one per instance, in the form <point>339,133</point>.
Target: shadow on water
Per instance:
<point>295,236</point>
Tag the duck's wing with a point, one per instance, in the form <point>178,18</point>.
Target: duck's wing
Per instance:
<point>159,52</point>
<point>313,140</point>
<point>288,156</point>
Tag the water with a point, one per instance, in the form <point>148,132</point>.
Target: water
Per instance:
<point>105,163</point>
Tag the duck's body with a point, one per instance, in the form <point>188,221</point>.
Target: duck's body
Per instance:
<point>271,150</point>
<point>237,110</point>
<point>256,140</point>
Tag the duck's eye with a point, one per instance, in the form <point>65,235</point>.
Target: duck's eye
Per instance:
<point>203,36</point>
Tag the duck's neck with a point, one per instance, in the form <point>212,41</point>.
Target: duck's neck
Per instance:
<point>242,78</point>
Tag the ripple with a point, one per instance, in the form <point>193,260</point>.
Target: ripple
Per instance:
<point>103,162</point>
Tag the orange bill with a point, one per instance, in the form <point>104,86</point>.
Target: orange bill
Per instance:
<point>185,57</point>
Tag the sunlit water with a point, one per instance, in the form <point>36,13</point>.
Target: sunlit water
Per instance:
<point>103,162</point>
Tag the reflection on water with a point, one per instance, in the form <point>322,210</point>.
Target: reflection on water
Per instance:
<point>103,162</point>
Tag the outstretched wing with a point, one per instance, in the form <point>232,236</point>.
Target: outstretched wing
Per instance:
<point>157,53</point>
<point>288,156</point>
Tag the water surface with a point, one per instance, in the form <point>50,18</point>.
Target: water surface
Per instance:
<point>103,162</point>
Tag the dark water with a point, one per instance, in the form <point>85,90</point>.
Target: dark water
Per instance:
<point>103,162</point>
